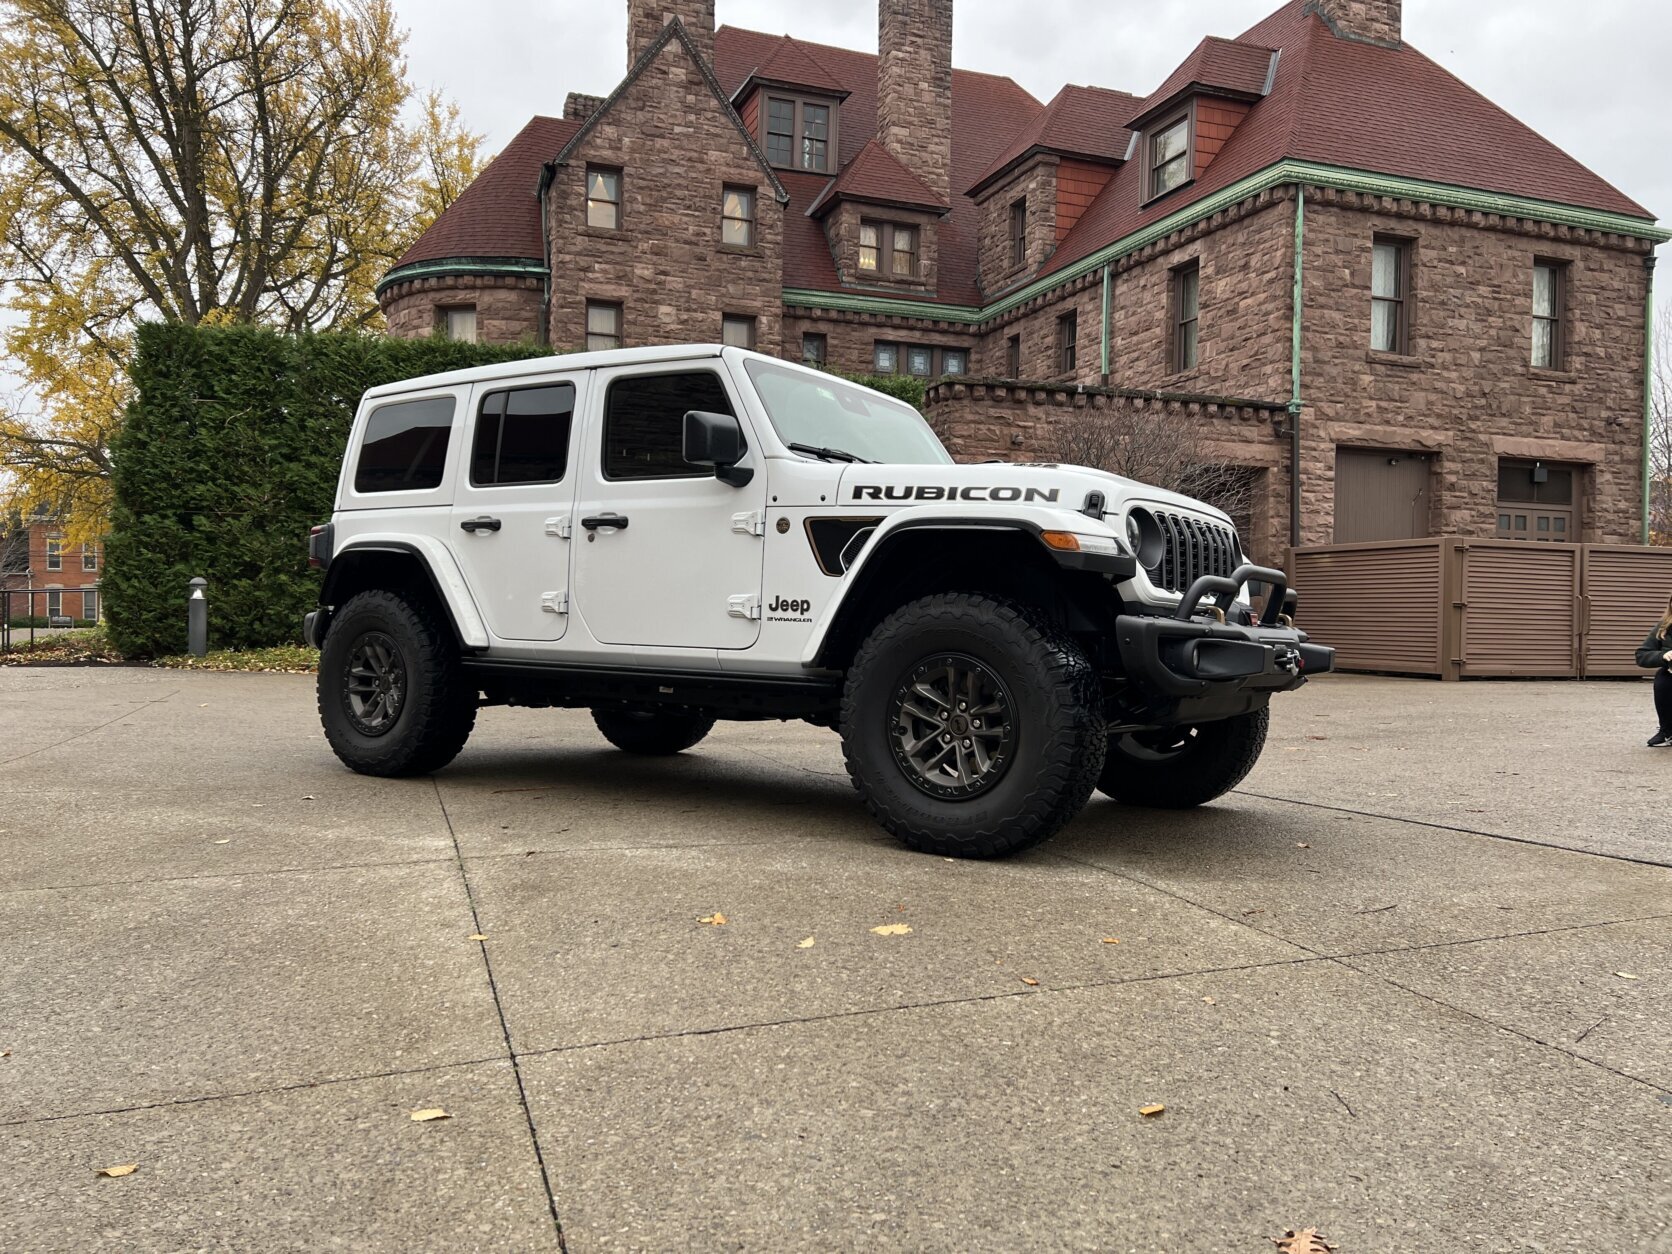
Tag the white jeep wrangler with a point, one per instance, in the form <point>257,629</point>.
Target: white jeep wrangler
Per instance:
<point>671,536</point>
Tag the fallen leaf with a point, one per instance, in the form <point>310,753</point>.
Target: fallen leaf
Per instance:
<point>893,929</point>
<point>429,1113</point>
<point>1111,940</point>
<point>123,1169</point>
<point>1625,975</point>
<point>1317,737</point>
<point>1249,912</point>
<point>1030,981</point>
<point>714,920</point>
<point>806,944</point>
<point>1150,1111</point>
<point>227,841</point>
<point>1301,844</point>
<point>1210,1001</point>
<point>203,705</point>
<point>1301,1241</point>
<point>5,1053</point>
<point>309,797</point>
<point>476,936</point>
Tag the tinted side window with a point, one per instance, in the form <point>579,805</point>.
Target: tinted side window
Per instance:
<point>522,436</point>
<point>644,423</point>
<point>405,448</point>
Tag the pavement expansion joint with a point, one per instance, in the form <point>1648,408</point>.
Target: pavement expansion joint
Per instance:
<point>934,1004</point>
<point>139,707</point>
<point>504,1025</point>
<point>1452,827</point>
<point>231,875</point>
<point>1501,936</point>
<point>1342,962</point>
<point>299,1086</point>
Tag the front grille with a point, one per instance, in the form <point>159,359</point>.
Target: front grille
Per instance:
<point>1191,548</point>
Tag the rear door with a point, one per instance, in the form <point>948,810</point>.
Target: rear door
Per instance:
<point>666,555</point>
<point>513,505</point>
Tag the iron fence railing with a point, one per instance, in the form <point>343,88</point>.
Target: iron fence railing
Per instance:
<point>26,611</point>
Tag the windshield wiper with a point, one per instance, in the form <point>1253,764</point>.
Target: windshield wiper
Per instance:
<point>829,454</point>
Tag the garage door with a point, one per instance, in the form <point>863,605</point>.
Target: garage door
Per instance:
<point>1380,495</point>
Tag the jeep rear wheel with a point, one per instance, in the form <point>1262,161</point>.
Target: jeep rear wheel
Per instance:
<point>653,730</point>
<point>1176,768</point>
<point>391,694</point>
<point>971,727</point>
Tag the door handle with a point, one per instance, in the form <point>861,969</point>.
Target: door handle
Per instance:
<point>484,523</point>
<point>617,522</point>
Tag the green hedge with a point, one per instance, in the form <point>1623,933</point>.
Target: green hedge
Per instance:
<point>229,453</point>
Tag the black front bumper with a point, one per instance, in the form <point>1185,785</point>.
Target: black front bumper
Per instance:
<point>1202,657</point>
<point>1225,651</point>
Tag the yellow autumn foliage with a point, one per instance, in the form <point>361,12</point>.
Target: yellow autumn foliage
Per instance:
<point>197,161</point>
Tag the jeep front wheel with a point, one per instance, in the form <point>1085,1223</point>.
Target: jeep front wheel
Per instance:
<point>651,730</point>
<point>392,696</point>
<point>1176,768</point>
<point>971,726</point>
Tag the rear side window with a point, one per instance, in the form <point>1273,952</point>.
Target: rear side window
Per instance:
<point>522,436</point>
<point>405,449</point>
<point>644,423</point>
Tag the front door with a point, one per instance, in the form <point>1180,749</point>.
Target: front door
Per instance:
<point>666,555</point>
<point>512,508</point>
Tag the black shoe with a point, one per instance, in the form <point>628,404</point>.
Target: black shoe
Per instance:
<point>1660,739</point>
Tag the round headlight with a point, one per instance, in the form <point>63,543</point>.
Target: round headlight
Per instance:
<point>1143,533</point>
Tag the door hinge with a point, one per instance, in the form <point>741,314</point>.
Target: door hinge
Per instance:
<point>744,605</point>
<point>555,602</point>
<point>749,524</point>
<point>559,527</point>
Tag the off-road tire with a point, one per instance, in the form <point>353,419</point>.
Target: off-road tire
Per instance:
<point>437,710</point>
<point>654,732</point>
<point>1218,758</point>
<point>1052,703</point>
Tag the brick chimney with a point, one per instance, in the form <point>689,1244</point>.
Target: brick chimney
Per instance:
<point>1373,21</point>
<point>646,18</point>
<point>914,87</point>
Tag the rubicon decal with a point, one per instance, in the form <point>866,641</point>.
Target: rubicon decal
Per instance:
<point>935,492</point>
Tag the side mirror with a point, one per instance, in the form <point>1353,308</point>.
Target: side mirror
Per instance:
<point>717,440</point>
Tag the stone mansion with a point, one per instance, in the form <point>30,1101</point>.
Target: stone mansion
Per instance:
<point>1398,309</point>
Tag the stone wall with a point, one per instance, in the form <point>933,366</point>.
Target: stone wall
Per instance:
<point>1467,391</point>
<point>1036,180</point>
<point>1377,21</point>
<point>986,419</point>
<point>507,308</point>
<point>1246,259</point>
<point>851,338</point>
<point>841,230</point>
<point>646,18</point>
<point>678,149</point>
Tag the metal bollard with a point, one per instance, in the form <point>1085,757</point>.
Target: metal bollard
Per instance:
<point>197,619</point>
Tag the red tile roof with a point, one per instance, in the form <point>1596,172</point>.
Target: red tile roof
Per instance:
<point>1362,106</point>
<point>988,112</point>
<point>1333,101</point>
<point>1085,122</point>
<point>877,175</point>
<point>497,215</point>
<point>792,63</point>
<point>1221,66</point>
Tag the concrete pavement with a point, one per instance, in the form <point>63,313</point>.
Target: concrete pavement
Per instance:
<point>1381,991</point>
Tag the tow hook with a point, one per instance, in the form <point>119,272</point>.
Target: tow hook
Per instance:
<point>1289,660</point>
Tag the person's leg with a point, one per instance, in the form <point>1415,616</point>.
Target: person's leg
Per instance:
<point>1663,699</point>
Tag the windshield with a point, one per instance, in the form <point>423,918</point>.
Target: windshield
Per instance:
<point>820,410</point>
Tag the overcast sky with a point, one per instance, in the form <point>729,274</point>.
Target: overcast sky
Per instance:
<point>1595,78</point>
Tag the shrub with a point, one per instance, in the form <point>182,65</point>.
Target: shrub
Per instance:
<point>229,453</point>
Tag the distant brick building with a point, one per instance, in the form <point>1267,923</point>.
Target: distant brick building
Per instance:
<point>1402,311</point>
<point>64,576</point>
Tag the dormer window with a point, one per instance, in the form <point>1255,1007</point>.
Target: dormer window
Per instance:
<point>888,248</point>
<point>1169,156</point>
<point>800,133</point>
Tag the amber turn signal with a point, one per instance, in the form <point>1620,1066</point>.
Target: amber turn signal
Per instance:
<point>1063,541</point>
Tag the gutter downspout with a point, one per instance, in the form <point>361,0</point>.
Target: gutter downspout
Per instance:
<point>1107,314</point>
<point>546,255</point>
<point>1648,387</point>
<point>1294,373</point>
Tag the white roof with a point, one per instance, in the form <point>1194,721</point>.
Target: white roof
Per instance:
<point>547,365</point>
